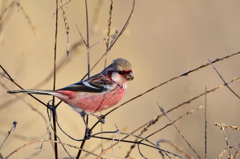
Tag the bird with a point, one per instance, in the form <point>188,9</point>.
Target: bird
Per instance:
<point>97,93</point>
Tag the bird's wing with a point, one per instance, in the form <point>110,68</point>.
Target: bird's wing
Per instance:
<point>95,84</point>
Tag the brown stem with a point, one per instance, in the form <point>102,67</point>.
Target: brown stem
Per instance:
<point>88,58</point>
<point>54,83</point>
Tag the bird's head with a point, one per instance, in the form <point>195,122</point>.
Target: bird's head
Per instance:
<point>120,71</point>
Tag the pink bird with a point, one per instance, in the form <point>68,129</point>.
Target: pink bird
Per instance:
<point>96,93</point>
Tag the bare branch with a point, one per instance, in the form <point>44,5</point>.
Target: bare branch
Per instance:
<point>51,141</point>
<point>205,115</point>
<point>227,126</point>
<point>9,132</point>
<point>165,114</point>
<point>54,81</point>
<point>225,137</point>
<point>224,81</point>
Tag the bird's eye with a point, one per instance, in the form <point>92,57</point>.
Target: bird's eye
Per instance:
<point>120,72</point>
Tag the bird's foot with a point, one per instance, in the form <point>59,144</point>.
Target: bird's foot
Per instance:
<point>102,119</point>
<point>88,133</point>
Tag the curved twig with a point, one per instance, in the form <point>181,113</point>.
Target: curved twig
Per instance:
<point>51,141</point>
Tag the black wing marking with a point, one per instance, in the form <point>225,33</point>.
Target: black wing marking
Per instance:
<point>94,84</point>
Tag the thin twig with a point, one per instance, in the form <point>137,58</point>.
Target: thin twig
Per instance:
<point>63,5</point>
<point>50,116</point>
<point>224,81</point>
<point>222,153</point>
<point>227,126</point>
<point>98,42</point>
<point>54,82</point>
<point>18,5</point>
<point>175,147</point>
<point>66,27</point>
<point>51,141</point>
<point>205,115</point>
<point>162,110</point>
<point>88,62</point>
<point>117,132</point>
<point>48,127</point>
<point>64,131</point>
<point>237,152</point>
<point>9,132</point>
<point>88,49</point>
<point>81,36</point>
<point>225,137</point>
<point>109,30</point>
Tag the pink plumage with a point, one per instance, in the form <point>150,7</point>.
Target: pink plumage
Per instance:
<point>96,93</point>
<point>92,102</point>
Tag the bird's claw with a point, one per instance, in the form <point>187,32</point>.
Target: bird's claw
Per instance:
<point>88,134</point>
<point>102,119</point>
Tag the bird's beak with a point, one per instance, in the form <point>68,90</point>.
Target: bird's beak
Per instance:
<point>129,76</point>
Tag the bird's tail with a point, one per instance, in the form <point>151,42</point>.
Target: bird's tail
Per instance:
<point>35,91</point>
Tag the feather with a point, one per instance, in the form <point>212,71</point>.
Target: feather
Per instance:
<point>34,91</point>
<point>95,84</point>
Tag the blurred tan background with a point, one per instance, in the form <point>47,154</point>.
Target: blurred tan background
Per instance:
<point>164,39</point>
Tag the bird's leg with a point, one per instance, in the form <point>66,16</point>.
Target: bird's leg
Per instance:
<point>100,118</point>
<point>88,130</point>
